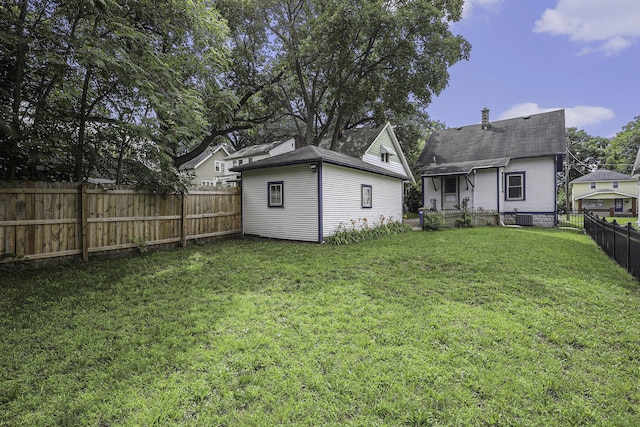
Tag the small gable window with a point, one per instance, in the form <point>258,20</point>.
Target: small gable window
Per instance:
<point>219,166</point>
<point>515,186</point>
<point>367,196</point>
<point>593,185</point>
<point>275,194</point>
<point>615,184</point>
<point>385,154</point>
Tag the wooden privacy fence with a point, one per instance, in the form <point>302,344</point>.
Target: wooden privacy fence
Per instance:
<point>621,243</point>
<point>42,220</point>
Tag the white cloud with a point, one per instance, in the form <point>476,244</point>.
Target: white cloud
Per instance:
<point>578,116</point>
<point>470,5</point>
<point>603,26</point>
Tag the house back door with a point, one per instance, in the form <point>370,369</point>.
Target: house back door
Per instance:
<point>619,205</point>
<point>450,192</point>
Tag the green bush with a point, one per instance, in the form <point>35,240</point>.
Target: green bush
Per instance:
<point>433,221</point>
<point>361,231</point>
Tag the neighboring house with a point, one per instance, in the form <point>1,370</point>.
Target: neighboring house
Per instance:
<point>509,166</point>
<point>605,191</point>
<point>210,167</point>
<point>377,146</point>
<point>635,173</point>
<point>306,194</point>
<point>259,152</point>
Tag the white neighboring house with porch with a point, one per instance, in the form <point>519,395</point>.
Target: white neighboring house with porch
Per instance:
<point>605,192</point>
<point>509,166</point>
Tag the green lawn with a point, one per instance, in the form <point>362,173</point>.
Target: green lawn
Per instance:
<point>481,326</point>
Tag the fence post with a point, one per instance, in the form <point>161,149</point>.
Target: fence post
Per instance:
<point>84,214</point>
<point>614,224</point>
<point>629,246</point>
<point>183,220</point>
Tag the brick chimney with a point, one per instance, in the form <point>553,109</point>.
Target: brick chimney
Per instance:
<point>485,118</point>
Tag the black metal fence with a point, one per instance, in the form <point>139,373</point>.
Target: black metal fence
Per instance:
<point>571,219</point>
<point>620,243</point>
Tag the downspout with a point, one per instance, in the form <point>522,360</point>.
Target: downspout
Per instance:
<point>473,190</point>
<point>498,192</point>
<point>320,204</point>
<point>555,193</point>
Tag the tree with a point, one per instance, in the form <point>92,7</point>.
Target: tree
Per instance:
<point>342,63</point>
<point>623,148</point>
<point>585,152</point>
<point>77,76</point>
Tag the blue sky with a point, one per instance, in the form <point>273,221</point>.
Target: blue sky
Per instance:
<point>530,56</point>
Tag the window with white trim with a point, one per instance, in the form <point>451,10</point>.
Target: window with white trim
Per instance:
<point>366,196</point>
<point>515,186</point>
<point>615,184</point>
<point>384,157</point>
<point>219,166</point>
<point>593,185</point>
<point>275,194</point>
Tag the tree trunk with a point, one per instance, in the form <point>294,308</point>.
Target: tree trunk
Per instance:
<point>78,151</point>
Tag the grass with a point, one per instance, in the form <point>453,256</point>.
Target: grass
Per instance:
<point>623,221</point>
<point>481,326</point>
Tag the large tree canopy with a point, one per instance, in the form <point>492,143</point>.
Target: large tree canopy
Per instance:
<point>346,62</point>
<point>90,85</point>
<point>135,89</point>
<point>623,148</point>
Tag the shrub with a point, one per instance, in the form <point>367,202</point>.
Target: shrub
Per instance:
<point>433,221</point>
<point>361,231</point>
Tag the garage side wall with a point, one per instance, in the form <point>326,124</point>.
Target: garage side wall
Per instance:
<point>297,219</point>
<point>342,200</point>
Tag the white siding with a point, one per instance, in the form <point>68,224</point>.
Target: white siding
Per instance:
<point>297,220</point>
<point>485,193</point>
<point>394,165</point>
<point>540,186</point>
<point>341,200</point>
<point>285,147</point>
<point>372,156</point>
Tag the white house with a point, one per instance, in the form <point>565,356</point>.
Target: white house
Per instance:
<point>209,168</point>
<point>306,194</point>
<point>635,173</point>
<point>509,166</point>
<point>377,146</point>
<point>253,153</point>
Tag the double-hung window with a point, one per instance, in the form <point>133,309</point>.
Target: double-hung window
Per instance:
<point>275,194</point>
<point>367,196</point>
<point>515,186</point>
<point>615,184</point>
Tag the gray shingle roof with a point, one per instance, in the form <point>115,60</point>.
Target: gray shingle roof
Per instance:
<point>604,175</point>
<point>255,150</point>
<point>312,153</point>
<point>354,142</point>
<point>538,135</point>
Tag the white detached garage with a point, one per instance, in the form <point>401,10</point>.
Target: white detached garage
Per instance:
<point>307,193</point>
